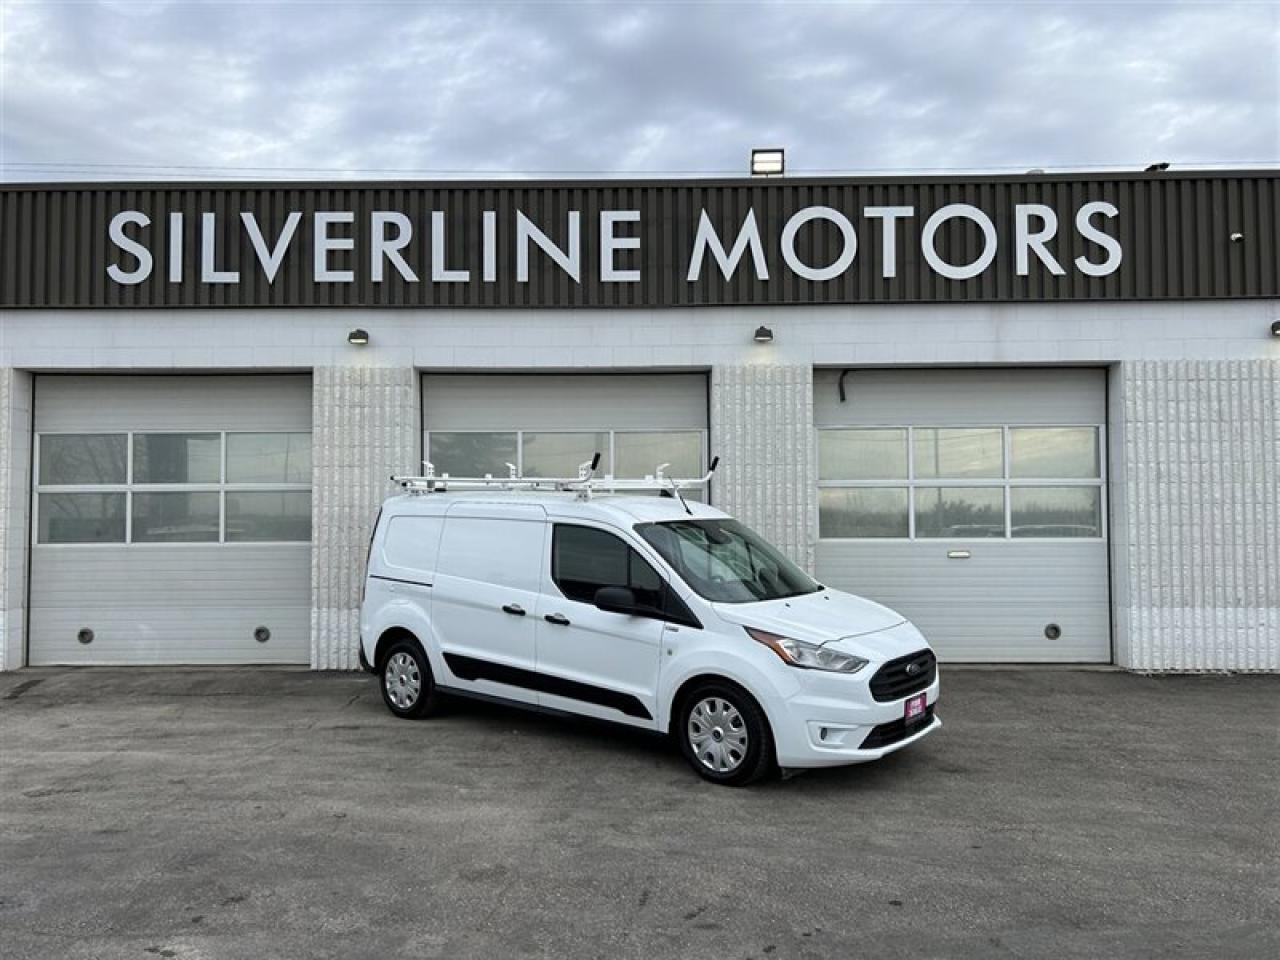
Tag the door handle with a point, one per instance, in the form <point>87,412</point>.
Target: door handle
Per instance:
<point>958,554</point>
<point>557,618</point>
<point>514,609</point>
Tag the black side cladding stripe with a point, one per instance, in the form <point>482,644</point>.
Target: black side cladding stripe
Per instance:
<point>416,583</point>
<point>471,668</point>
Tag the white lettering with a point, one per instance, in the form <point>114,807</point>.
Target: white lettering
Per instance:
<point>841,263</point>
<point>969,212</point>
<point>1087,230</point>
<point>707,239</point>
<point>115,230</point>
<point>1024,240</point>
<point>270,259</point>
<point>610,244</point>
<point>175,248</point>
<point>388,248</point>
<point>570,262</point>
<point>324,244</point>
<point>490,243</point>
<point>439,272</point>
<point>209,273</point>
<point>889,217</point>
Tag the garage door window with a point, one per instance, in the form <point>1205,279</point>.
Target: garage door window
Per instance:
<point>546,453</point>
<point>168,487</point>
<point>980,482</point>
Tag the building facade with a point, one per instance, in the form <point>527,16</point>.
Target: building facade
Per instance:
<point>1039,415</point>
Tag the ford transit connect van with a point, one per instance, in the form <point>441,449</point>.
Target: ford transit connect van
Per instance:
<point>644,611</point>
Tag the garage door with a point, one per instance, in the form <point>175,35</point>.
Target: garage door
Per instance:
<point>171,520</point>
<point>974,503</point>
<point>549,424</point>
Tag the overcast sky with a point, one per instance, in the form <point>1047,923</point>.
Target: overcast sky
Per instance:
<point>262,89</point>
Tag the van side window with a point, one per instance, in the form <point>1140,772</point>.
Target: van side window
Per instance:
<point>584,559</point>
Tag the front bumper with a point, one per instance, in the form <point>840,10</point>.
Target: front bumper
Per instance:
<point>832,722</point>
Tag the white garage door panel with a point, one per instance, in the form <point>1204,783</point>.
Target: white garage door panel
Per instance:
<point>171,603</point>
<point>66,404</point>
<point>992,607</point>
<point>942,398</point>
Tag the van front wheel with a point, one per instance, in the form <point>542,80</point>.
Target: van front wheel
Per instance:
<point>725,735</point>
<point>408,689</point>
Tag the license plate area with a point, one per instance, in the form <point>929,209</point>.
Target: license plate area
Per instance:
<point>914,707</point>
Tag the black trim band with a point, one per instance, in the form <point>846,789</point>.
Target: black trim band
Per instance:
<point>416,583</point>
<point>472,668</point>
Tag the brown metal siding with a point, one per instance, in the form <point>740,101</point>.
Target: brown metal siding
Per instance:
<point>1174,230</point>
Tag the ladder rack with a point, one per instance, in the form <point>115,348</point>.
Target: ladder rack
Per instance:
<point>584,484</point>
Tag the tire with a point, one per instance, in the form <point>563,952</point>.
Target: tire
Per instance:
<point>404,676</point>
<point>714,719</point>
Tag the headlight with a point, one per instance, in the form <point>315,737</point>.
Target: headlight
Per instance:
<point>809,656</point>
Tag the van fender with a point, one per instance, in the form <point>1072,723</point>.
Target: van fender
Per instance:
<point>412,619</point>
<point>735,666</point>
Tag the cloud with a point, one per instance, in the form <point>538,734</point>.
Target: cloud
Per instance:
<point>273,89</point>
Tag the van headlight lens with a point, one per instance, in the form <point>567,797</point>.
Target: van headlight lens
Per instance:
<point>808,656</point>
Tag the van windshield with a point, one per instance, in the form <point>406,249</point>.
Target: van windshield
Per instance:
<point>725,562</point>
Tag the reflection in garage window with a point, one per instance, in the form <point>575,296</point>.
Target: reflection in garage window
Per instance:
<point>268,458</point>
<point>547,454</point>
<point>863,512</point>
<point>175,517</point>
<point>1056,512</point>
<point>177,457</point>
<point>960,512</point>
<point>958,453</point>
<point>637,454</point>
<point>81,518</point>
<point>873,454</point>
<point>1054,453</point>
<point>471,454</point>
<point>82,458</point>
<point>268,516</point>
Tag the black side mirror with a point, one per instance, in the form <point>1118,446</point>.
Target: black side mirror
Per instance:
<point>616,600</point>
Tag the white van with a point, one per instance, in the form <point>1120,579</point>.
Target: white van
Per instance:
<point>641,610</point>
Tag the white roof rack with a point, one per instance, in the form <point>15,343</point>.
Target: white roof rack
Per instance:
<point>584,484</point>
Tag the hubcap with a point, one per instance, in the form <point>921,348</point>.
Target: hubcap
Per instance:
<point>403,680</point>
<point>717,734</point>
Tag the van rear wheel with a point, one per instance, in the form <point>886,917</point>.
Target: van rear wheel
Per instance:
<point>408,688</point>
<point>725,735</point>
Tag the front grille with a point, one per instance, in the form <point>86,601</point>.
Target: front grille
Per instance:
<point>893,732</point>
<point>904,676</point>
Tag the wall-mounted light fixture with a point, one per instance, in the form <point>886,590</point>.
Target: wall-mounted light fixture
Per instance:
<point>1275,328</point>
<point>1158,167</point>
<point>358,337</point>
<point>763,335</point>
<point>1237,237</point>
<point>768,162</point>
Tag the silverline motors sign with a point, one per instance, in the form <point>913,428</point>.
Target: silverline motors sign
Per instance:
<point>335,257</point>
<point>650,244</point>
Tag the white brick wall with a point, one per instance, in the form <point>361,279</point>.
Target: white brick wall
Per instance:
<point>1197,538</point>
<point>15,481</point>
<point>762,430</point>
<point>364,428</point>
